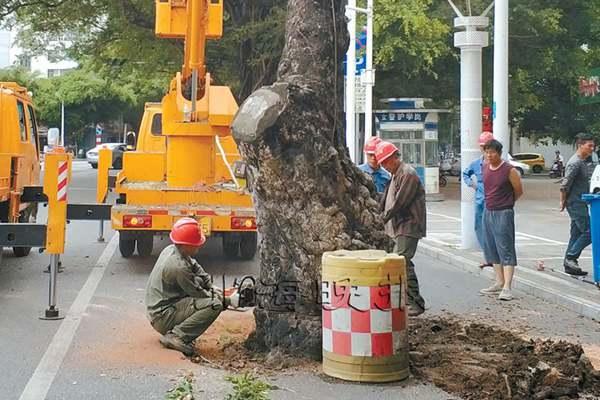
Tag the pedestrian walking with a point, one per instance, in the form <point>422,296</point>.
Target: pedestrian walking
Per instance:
<point>380,176</point>
<point>473,177</point>
<point>576,182</point>
<point>502,188</point>
<point>403,206</point>
<point>181,301</point>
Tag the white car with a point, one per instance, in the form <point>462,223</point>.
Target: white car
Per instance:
<point>117,151</point>
<point>522,168</point>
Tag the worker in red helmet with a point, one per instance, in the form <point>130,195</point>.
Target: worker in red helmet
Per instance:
<point>403,206</point>
<point>380,176</point>
<point>181,301</point>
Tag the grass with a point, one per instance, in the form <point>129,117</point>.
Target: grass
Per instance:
<point>248,387</point>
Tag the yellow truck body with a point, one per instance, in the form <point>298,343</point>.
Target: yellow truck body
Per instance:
<point>19,156</point>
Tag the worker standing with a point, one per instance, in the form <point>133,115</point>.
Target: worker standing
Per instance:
<point>380,176</point>
<point>403,204</point>
<point>181,301</point>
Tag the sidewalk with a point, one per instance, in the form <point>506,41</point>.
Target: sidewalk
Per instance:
<point>552,284</point>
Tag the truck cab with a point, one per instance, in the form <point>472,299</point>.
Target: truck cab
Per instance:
<point>19,156</point>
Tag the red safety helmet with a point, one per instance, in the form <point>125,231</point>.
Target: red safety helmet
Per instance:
<point>371,145</point>
<point>186,231</point>
<point>384,151</point>
<point>485,137</point>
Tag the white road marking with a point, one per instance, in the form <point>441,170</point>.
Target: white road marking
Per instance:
<point>525,235</point>
<point>40,382</point>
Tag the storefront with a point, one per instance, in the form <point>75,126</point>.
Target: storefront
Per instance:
<point>414,130</point>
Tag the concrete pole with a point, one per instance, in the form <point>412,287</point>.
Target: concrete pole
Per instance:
<point>369,74</point>
<point>500,110</point>
<point>350,80</point>
<point>62,124</point>
<point>471,41</point>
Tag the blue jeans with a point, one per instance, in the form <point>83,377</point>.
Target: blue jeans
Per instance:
<point>479,207</point>
<point>580,230</point>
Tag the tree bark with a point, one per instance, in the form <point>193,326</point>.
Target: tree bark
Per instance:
<point>309,196</point>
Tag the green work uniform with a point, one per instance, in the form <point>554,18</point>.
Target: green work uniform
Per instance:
<point>180,296</point>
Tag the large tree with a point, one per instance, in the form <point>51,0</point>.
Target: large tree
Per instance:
<point>309,196</point>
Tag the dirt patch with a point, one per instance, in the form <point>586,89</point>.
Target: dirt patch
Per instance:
<point>224,345</point>
<point>477,361</point>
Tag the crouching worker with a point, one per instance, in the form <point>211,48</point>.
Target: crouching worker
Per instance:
<point>181,301</point>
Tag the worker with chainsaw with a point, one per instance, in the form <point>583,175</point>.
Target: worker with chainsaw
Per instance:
<point>181,301</point>
<point>380,176</point>
<point>473,177</point>
<point>403,206</point>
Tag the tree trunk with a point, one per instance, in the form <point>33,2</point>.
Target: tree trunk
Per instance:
<point>309,196</point>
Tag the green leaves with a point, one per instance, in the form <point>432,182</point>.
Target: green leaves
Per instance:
<point>248,387</point>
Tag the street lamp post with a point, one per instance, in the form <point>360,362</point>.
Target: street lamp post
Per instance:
<point>471,39</point>
<point>500,110</point>
<point>350,80</point>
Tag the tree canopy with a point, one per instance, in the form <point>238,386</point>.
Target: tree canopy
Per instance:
<point>552,44</point>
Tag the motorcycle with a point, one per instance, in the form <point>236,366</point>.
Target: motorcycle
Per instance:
<point>555,170</point>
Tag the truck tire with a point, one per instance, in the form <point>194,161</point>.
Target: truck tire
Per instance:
<point>28,216</point>
<point>126,246</point>
<point>145,245</point>
<point>248,245</point>
<point>231,245</point>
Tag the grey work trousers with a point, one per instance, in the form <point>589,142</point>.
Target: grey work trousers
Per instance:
<point>189,317</point>
<point>407,246</point>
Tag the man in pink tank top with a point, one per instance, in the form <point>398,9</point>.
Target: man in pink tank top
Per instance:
<point>502,188</point>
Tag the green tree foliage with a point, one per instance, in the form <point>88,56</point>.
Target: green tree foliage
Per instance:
<point>552,44</point>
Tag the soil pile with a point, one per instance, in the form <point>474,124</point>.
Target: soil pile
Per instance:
<point>477,361</point>
<point>225,345</point>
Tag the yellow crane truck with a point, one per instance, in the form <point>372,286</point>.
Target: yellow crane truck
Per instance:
<point>185,161</point>
<point>19,168</point>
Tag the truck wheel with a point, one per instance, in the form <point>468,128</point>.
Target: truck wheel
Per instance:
<point>126,246</point>
<point>145,244</point>
<point>248,245</point>
<point>231,245</point>
<point>28,216</point>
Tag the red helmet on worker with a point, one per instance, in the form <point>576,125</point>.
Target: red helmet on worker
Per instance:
<point>186,231</point>
<point>384,151</point>
<point>371,145</point>
<point>485,137</point>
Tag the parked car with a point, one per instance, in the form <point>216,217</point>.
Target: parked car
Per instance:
<point>117,154</point>
<point>534,160</point>
<point>521,167</point>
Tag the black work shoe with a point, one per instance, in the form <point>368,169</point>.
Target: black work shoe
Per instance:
<point>571,263</point>
<point>172,341</point>
<point>575,271</point>
<point>414,311</point>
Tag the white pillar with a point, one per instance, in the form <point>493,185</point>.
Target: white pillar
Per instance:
<point>350,80</point>
<point>369,78</point>
<point>62,124</point>
<point>471,42</point>
<point>501,132</point>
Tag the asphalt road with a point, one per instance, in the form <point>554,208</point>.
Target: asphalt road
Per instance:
<point>105,348</point>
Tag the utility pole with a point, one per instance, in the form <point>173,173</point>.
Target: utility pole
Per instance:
<point>500,109</point>
<point>62,124</point>
<point>471,39</point>
<point>368,78</point>
<point>350,80</point>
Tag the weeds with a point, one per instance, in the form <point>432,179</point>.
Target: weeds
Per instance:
<point>184,390</point>
<point>248,387</point>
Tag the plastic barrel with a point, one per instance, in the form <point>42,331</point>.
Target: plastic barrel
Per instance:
<point>594,201</point>
<point>365,336</point>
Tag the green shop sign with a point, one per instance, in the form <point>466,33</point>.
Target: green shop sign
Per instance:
<point>589,88</point>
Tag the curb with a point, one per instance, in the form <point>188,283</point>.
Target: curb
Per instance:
<point>573,303</point>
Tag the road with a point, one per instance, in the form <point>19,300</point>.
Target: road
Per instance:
<point>105,348</point>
